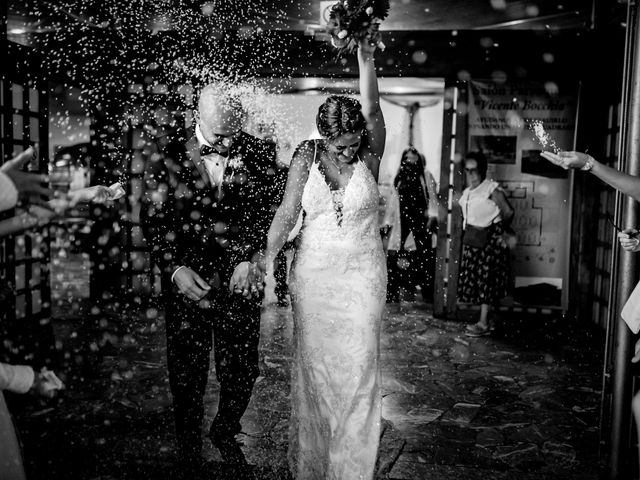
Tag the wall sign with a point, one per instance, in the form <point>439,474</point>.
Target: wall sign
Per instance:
<point>500,119</point>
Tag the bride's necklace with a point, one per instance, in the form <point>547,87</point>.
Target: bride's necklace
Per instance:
<point>335,164</point>
<point>339,166</point>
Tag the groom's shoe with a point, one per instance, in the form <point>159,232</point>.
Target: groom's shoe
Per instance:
<point>229,448</point>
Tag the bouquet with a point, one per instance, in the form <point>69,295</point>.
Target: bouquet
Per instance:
<point>351,21</point>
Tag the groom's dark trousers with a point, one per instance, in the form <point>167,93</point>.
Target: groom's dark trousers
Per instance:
<point>211,229</point>
<point>235,324</point>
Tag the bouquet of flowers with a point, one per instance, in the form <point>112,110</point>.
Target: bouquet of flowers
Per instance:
<point>351,21</point>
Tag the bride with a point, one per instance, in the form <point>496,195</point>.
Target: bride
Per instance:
<point>338,286</point>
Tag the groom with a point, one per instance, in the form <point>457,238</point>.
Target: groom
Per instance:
<point>208,205</point>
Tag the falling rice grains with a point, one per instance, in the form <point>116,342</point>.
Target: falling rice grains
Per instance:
<point>543,137</point>
<point>108,46</point>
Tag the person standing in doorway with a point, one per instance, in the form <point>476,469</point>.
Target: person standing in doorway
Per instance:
<point>416,190</point>
<point>485,266</point>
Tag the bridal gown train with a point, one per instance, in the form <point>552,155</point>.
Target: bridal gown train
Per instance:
<point>338,288</point>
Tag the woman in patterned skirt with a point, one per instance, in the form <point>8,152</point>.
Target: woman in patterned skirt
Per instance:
<point>484,271</point>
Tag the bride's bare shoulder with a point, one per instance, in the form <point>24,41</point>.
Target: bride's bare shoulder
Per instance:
<point>305,152</point>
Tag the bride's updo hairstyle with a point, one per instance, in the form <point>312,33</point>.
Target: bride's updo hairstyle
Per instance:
<point>339,115</point>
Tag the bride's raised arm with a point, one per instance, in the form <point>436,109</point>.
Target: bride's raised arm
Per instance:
<point>287,215</point>
<point>370,100</point>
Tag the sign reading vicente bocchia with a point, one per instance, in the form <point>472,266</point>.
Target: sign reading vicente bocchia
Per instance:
<point>501,117</point>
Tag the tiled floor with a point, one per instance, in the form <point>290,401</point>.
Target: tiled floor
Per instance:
<point>521,404</point>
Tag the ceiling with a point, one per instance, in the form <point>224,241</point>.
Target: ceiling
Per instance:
<point>27,19</point>
<point>106,44</point>
<point>418,15</point>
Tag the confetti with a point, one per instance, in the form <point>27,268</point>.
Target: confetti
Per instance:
<point>128,59</point>
<point>542,136</point>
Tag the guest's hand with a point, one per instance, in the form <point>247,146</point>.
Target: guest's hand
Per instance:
<point>26,183</point>
<point>191,284</point>
<point>42,215</point>
<point>247,279</point>
<point>96,194</point>
<point>629,240</point>
<point>46,383</point>
<point>567,159</point>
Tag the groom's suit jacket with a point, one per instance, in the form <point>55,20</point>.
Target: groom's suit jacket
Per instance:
<point>209,229</point>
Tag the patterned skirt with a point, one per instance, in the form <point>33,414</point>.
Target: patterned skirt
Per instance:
<point>485,272</point>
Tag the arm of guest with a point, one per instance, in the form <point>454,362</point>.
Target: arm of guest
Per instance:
<point>37,216</point>
<point>16,378</point>
<point>8,192</point>
<point>288,212</point>
<point>623,182</point>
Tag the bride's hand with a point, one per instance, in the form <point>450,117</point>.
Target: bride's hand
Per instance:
<point>367,46</point>
<point>247,280</point>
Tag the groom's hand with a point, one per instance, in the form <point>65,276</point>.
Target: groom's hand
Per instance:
<point>191,284</point>
<point>247,279</point>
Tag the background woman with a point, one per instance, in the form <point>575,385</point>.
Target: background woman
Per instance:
<point>484,270</point>
<point>416,191</point>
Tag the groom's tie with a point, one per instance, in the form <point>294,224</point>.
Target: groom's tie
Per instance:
<point>207,150</point>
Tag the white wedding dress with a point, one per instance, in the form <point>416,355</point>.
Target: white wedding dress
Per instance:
<point>338,288</point>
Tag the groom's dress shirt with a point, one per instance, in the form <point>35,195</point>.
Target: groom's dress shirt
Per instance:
<point>215,163</point>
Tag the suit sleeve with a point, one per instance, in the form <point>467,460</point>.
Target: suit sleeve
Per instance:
<point>268,191</point>
<point>159,212</point>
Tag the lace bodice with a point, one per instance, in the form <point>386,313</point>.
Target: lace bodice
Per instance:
<point>349,214</point>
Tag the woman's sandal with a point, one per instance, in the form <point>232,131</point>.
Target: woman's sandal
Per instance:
<point>477,331</point>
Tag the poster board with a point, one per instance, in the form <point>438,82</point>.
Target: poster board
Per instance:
<point>500,116</point>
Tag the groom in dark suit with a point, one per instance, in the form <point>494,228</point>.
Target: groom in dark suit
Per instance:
<point>209,203</point>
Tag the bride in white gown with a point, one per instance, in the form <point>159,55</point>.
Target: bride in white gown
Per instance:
<point>338,286</point>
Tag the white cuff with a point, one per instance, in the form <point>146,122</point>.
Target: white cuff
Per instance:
<point>8,192</point>
<point>16,378</point>
<point>176,271</point>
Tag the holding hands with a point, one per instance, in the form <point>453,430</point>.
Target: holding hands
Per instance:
<point>247,279</point>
